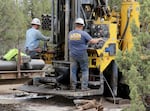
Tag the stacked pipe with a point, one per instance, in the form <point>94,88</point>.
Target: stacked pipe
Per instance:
<point>34,64</point>
<point>46,22</point>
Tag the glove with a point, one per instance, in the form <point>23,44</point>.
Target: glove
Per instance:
<point>49,39</point>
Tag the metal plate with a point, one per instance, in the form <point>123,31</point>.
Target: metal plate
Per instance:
<point>68,93</point>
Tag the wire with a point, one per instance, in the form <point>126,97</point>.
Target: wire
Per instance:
<point>110,90</point>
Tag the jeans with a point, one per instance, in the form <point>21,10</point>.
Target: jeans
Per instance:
<point>81,62</point>
<point>33,54</point>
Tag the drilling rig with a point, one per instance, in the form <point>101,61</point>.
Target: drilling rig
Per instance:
<point>101,20</point>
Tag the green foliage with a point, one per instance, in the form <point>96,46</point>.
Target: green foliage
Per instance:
<point>15,18</point>
<point>12,23</point>
<point>135,71</point>
<point>35,8</point>
<point>135,64</point>
<point>116,3</point>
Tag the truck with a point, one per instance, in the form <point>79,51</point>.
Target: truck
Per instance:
<point>101,20</point>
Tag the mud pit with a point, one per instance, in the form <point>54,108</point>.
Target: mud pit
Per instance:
<point>9,102</point>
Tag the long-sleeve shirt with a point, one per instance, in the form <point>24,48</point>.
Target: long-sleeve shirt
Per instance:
<point>33,37</point>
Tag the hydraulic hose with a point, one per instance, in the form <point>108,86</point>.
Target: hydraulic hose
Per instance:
<point>110,90</point>
<point>127,24</point>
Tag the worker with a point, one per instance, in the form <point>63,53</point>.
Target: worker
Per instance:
<point>33,37</point>
<point>78,40</point>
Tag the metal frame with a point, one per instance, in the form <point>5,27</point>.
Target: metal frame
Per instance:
<point>22,74</point>
<point>66,93</point>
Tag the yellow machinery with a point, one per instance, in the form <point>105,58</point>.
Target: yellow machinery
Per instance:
<point>129,14</point>
<point>101,21</point>
<point>120,35</point>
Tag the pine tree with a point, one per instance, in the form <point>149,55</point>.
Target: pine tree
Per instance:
<point>135,64</point>
<point>35,8</point>
<point>15,18</point>
<point>12,24</point>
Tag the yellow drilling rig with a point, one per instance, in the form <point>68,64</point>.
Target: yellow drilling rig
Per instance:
<point>101,20</point>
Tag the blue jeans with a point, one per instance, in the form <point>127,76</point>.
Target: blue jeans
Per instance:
<point>33,54</point>
<point>81,62</point>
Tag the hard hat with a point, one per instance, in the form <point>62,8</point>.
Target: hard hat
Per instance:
<point>36,21</point>
<point>80,21</point>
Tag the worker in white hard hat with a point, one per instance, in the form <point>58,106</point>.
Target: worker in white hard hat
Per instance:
<point>78,40</point>
<point>33,37</point>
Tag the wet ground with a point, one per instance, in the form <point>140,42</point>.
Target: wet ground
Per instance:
<point>11,100</point>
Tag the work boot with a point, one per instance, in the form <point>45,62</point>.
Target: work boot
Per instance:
<point>85,89</point>
<point>73,88</point>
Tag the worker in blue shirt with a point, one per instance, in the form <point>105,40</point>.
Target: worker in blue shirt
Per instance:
<point>78,40</point>
<point>33,37</point>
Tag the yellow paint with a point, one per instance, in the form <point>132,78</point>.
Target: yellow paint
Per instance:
<point>103,59</point>
<point>47,57</point>
<point>134,8</point>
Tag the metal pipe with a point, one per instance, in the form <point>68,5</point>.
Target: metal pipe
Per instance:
<point>56,22</point>
<point>73,14</point>
<point>78,8</point>
<point>35,64</point>
<point>114,83</point>
<point>52,21</point>
<point>76,5</point>
<point>84,16</point>
<point>106,3</point>
<point>67,15</point>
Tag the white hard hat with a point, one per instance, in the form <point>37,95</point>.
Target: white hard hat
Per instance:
<point>36,21</point>
<point>80,21</point>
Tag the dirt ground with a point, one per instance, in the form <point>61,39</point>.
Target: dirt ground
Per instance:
<point>29,102</point>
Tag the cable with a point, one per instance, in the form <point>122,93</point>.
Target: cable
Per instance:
<point>110,90</point>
